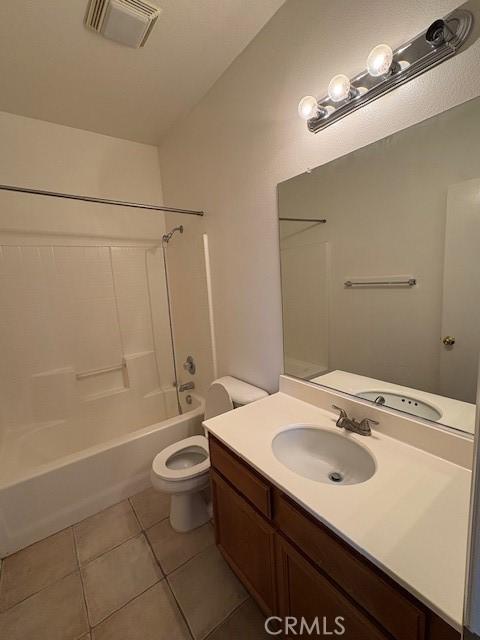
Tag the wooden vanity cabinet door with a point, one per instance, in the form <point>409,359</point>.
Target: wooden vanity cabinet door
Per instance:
<point>303,591</point>
<point>246,540</point>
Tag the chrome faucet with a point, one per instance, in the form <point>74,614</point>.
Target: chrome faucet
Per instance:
<point>188,386</point>
<point>361,427</point>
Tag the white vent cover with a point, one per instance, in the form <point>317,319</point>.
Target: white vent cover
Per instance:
<point>126,21</point>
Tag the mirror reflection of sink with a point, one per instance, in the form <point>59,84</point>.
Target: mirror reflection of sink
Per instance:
<point>402,402</point>
<point>323,456</point>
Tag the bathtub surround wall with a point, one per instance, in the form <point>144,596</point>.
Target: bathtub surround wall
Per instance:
<point>85,343</point>
<point>245,136</point>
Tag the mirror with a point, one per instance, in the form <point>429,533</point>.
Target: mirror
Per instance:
<point>381,273</point>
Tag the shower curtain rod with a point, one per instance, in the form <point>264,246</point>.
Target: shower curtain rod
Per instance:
<point>119,203</point>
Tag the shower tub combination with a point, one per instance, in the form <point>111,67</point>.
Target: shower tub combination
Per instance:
<point>47,483</point>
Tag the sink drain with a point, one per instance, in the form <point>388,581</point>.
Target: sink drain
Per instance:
<point>335,476</point>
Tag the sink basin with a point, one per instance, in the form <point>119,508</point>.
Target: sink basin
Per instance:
<point>403,403</point>
<point>323,456</point>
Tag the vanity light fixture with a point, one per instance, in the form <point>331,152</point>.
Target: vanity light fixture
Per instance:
<point>387,69</point>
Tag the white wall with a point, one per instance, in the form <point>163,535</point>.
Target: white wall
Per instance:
<point>245,136</point>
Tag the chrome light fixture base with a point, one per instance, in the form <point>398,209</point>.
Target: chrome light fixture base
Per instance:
<point>442,40</point>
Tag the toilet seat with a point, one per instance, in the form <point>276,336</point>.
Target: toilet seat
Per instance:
<point>187,446</point>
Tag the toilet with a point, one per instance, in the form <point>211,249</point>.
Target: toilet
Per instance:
<point>182,469</point>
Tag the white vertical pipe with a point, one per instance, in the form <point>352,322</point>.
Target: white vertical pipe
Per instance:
<point>206,251</point>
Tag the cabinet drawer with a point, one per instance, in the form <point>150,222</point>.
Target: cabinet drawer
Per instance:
<point>395,612</point>
<point>245,480</point>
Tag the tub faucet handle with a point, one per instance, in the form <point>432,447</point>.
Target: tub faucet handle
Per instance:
<point>188,386</point>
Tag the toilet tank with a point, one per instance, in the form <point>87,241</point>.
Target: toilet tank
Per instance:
<point>228,393</point>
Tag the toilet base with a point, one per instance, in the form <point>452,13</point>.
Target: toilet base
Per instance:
<point>188,511</point>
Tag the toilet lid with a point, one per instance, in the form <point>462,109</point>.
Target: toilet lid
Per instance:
<point>182,460</point>
<point>218,401</point>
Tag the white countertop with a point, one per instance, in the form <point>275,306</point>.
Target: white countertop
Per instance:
<point>410,519</point>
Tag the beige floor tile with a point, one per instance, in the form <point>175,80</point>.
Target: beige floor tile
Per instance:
<point>105,530</point>
<point>151,507</point>
<point>173,549</point>
<point>246,622</point>
<point>30,570</point>
<point>152,616</point>
<point>207,591</point>
<point>55,613</point>
<point>119,575</point>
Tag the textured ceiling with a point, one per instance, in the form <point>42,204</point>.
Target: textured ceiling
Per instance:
<point>53,68</point>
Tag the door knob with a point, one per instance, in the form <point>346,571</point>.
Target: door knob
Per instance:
<point>449,341</point>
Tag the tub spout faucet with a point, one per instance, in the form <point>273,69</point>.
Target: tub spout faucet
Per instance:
<point>362,427</point>
<point>188,386</point>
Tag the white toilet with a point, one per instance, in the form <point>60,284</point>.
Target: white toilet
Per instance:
<point>182,468</point>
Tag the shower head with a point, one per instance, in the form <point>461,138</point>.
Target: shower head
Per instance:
<point>168,236</point>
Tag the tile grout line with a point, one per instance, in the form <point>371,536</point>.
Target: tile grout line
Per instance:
<point>230,615</point>
<point>182,613</point>
<point>82,583</point>
<point>100,555</point>
<point>182,564</point>
<point>168,583</point>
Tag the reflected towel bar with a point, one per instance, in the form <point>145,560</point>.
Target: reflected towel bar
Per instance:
<point>411,282</point>
<point>322,220</point>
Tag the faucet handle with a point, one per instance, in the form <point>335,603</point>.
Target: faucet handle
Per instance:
<point>342,418</point>
<point>343,413</point>
<point>366,422</point>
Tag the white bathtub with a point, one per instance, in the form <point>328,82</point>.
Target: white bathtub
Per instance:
<point>38,497</point>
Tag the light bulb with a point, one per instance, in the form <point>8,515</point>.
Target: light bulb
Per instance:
<point>308,107</point>
<point>339,88</point>
<point>379,60</point>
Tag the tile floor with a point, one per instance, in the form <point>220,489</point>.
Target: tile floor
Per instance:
<point>124,574</point>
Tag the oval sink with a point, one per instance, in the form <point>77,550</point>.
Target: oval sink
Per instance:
<point>323,456</point>
<point>410,404</point>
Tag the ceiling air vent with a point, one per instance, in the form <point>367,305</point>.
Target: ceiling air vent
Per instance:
<point>129,22</point>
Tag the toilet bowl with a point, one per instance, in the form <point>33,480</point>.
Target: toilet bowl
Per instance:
<point>182,469</point>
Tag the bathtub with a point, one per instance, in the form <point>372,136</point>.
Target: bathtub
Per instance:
<point>81,476</point>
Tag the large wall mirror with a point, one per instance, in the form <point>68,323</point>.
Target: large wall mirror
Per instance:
<point>380,263</point>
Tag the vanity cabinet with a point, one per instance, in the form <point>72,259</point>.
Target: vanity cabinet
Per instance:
<point>295,566</point>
